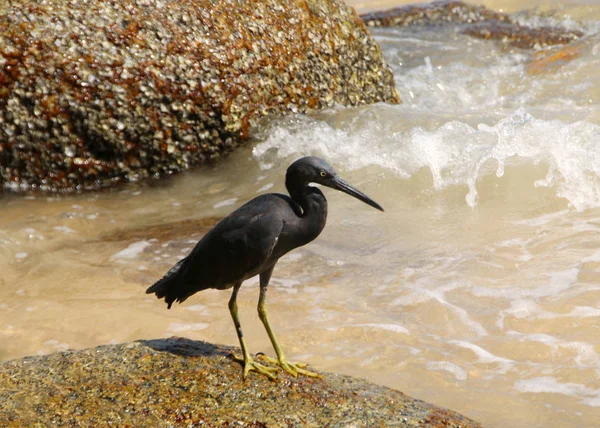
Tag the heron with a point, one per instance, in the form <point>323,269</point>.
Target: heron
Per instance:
<point>250,241</point>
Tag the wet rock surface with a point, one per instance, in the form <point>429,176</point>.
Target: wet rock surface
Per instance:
<point>550,60</point>
<point>97,93</point>
<point>435,13</point>
<point>522,36</point>
<point>179,382</point>
<point>476,21</point>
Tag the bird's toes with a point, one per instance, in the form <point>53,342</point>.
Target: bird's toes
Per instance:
<point>267,358</point>
<point>294,369</point>
<point>238,359</point>
<point>252,365</point>
<point>308,372</point>
<point>289,368</point>
<point>283,363</point>
<point>298,368</point>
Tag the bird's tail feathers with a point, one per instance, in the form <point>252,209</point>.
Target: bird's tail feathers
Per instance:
<point>162,287</point>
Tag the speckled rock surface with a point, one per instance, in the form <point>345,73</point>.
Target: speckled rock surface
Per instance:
<point>476,21</point>
<point>522,36</point>
<point>179,382</point>
<point>94,93</point>
<point>435,13</point>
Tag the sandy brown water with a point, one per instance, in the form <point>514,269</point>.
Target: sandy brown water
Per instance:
<point>478,288</point>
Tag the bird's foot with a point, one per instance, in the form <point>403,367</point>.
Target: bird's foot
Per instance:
<point>293,369</point>
<point>251,365</point>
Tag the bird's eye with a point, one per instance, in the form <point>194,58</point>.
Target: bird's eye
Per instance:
<point>323,173</point>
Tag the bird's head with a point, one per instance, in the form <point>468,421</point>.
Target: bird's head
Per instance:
<point>311,169</point>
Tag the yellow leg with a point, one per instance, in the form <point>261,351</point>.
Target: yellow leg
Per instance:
<point>247,360</point>
<point>292,368</point>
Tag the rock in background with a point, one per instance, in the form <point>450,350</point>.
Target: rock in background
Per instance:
<point>101,92</point>
<point>476,21</point>
<point>179,382</point>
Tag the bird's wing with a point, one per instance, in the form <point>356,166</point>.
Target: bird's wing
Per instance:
<point>238,248</point>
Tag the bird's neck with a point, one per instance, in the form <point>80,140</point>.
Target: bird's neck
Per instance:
<point>314,202</point>
<point>314,209</point>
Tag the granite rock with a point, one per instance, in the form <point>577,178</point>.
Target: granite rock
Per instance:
<point>102,92</point>
<point>473,20</point>
<point>179,382</point>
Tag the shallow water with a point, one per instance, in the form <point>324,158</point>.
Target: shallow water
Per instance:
<point>478,288</point>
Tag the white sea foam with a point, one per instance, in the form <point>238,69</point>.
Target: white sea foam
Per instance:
<point>456,154</point>
<point>396,328</point>
<point>441,86</point>
<point>131,252</point>
<point>548,384</point>
<point>284,283</point>
<point>515,242</point>
<point>559,282</point>
<point>483,355</point>
<point>33,234</point>
<point>486,357</point>
<point>586,355</point>
<point>64,229</point>
<point>559,20</point>
<point>292,257</point>
<point>175,327</point>
<point>530,309</point>
<point>225,203</point>
<point>414,297</point>
<point>536,337</point>
<point>458,372</point>
<point>593,258</point>
<point>418,294</point>
<point>196,308</point>
<point>543,219</point>
<point>265,188</point>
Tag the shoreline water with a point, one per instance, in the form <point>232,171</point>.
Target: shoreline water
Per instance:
<point>477,290</point>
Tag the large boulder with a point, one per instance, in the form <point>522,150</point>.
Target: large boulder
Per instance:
<point>93,93</point>
<point>179,382</point>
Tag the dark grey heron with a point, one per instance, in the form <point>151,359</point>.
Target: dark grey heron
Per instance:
<point>250,240</point>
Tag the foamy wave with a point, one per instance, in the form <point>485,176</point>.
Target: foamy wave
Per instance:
<point>486,357</point>
<point>558,20</point>
<point>529,309</point>
<point>547,384</point>
<point>457,86</point>
<point>455,153</point>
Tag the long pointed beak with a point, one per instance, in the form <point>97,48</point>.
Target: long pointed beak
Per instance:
<point>342,185</point>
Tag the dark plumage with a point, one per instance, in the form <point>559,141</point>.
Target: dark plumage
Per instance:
<point>250,240</point>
